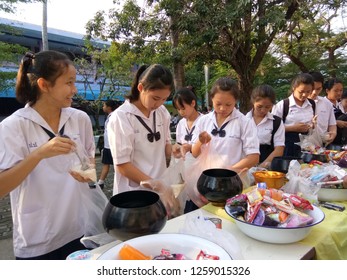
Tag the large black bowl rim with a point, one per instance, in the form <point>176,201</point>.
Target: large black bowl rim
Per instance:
<point>286,158</point>
<point>154,197</point>
<point>277,228</point>
<point>228,172</point>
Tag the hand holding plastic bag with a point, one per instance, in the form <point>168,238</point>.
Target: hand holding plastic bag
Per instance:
<point>166,195</point>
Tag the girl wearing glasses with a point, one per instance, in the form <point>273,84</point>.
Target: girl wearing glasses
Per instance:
<point>270,128</point>
<point>139,135</point>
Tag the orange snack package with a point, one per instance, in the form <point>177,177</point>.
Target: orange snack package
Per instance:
<point>273,193</point>
<point>128,252</point>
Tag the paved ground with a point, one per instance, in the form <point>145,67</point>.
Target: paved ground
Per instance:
<point>6,248</point>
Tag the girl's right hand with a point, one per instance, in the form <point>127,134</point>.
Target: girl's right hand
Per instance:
<point>55,147</point>
<point>303,127</point>
<point>204,137</point>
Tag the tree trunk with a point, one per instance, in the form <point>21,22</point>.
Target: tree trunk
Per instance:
<point>44,26</point>
<point>246,88</point>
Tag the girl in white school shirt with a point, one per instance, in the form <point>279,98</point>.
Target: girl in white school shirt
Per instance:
<point>301,113</point>
<point>271,142</point>
<point>139,135</point>
<point>229,134</point>
<point>185,102</point>
<point>47,209</point>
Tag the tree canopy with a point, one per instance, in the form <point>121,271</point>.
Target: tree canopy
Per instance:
<point>239,33</point>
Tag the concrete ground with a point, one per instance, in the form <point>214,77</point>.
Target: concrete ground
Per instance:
<point>6,247</point>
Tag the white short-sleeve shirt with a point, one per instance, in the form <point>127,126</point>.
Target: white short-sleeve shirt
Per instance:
<point>264,130</point>
<point>240,140</point>
<point>128,143</point>
<point>182,130</point>
<point>325,114</point>
<point>106,144</point>
<point>296,114</point>
<point>47,207</point>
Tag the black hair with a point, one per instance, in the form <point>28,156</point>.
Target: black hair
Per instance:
<point>329,84</point>
<point>112,104</point>
<point>225,84</point>
<point>184,95</point>
<point>152,77</point>
<point>48,65</point>
<point>303,78</point>
<point>263,91</point>
<point>317,77</point>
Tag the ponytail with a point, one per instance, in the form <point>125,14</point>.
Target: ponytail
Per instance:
<point>134,92</point>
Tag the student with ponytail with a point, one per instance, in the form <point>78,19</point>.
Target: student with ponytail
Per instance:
<point>46,201</point>
<point>139,135</point>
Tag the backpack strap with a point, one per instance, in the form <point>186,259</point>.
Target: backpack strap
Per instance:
<point>313,103</point>
<point>276,124</point>
<point>286,108</point>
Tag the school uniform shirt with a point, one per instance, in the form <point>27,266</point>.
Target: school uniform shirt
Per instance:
<point>106,143</point>
<point>184,135</point>
<point>47,209</point>
<point>128,143</point>
<point>341,108</point>
<point>325,114</point>
<point>264,130</point>
<point>296,114</point>
<point>240,137</point>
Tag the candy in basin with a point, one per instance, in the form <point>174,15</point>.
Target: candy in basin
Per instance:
<point>279,235</point>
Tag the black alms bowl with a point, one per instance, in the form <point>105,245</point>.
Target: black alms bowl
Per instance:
<point>217,185</point>
<point>134,213</point>
<point>281,164</point>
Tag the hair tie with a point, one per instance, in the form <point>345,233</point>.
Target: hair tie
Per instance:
<point>27,61</point>
<point>29,56</point>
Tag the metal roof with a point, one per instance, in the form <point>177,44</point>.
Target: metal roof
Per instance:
<point>30,35</point>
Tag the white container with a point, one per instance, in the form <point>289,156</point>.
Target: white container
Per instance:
<point>151,245</point>
<point>279,235</point>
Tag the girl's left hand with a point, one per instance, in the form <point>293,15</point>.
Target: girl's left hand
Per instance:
<point>77,176</point>
<point>177,151</point>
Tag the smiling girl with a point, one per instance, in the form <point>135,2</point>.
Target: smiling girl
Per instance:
<point>47,208</point>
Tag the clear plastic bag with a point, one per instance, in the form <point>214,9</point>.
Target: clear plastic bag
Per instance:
<point>173,177</point>
<point>299,182</point>
<point>81,161</point>
<point>95,202</point>
<point>310,141</point>
<point>196,224</point>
